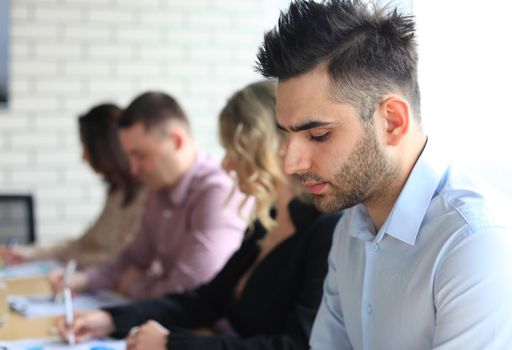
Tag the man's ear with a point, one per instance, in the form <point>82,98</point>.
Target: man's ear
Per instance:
<point>177,136</point>
<point>396,115</point>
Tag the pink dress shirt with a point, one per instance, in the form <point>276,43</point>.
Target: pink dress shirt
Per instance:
<point>189,232</point>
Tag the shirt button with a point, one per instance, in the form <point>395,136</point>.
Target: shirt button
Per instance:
<point>369,309</point>
<point>375,247</point>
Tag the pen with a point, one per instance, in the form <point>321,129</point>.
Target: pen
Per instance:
<point>68,302</point>
<point>69,270</point>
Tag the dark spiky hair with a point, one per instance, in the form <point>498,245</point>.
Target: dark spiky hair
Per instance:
<point>367,51</point>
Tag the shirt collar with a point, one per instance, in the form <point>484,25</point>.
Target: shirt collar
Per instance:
<point>178,194</point>
<point>405,219</point>
<point>360,225</point>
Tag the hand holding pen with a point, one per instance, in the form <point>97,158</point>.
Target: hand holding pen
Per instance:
<point>60,279</point>
<point>10,254</point>
<point>85,325</point>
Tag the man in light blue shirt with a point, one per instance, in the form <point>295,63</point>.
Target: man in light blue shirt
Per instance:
<point>433,276</point>
<point>421,257</point>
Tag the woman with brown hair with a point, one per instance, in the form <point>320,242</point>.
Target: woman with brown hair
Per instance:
<point>119,218</point>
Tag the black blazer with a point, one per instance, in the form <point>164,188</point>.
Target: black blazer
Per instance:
<point>278,304</point>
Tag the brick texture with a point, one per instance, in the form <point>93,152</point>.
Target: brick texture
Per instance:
<point>66,55</point>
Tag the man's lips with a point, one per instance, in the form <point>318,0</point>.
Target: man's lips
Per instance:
<point>315,187</point>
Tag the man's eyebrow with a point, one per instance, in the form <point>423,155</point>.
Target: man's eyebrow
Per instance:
<point>280,127</point>
<point>306,126</point>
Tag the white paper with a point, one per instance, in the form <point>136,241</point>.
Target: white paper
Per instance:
<point>58,344</point>
<point>29,269</point>
<point>37,306</point>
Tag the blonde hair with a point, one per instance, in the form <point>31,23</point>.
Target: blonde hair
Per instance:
<point>249,133</point>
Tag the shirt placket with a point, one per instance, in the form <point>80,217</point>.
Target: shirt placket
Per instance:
<point>372,249</point>
<point>162,232</point>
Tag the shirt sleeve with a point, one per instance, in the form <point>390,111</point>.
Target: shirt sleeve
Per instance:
<point>329,330</point>
<point>139,252</point>
<point>193,309</point>
<point>216,231</point>
<point>37,252</point>
<point>110,232</point>
<point>196,308</point>
<point>76,248</point>
<point>73,248</point>
<point>472,292</point>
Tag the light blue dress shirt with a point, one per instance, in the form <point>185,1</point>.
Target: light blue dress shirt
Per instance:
<point>437,275</point>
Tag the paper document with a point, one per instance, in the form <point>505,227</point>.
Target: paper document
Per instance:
<point>58,344</point>
<point>36,306</point>
<point>29,269</point>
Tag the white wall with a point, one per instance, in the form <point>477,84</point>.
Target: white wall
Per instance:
<point>67,55</point>
<point>465,77</point>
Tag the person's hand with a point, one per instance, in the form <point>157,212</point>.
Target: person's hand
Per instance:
<point>93,324</point>
<point>77,283</point>
<point>151,335</point>
<point>12,256</point>
<point>128,279</point>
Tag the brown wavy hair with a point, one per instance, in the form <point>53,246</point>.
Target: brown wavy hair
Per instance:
<point>99,134</point>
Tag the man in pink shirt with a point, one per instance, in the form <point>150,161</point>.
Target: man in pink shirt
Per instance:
<point>189,227</point>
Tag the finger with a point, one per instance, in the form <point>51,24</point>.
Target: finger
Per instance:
<point>55,277</point>
<point>81,328</point>
<point>56,274</point>
<point>57,286</point>
<point>54,284</point>
<point>131,341</point>
<point>16,260</point>
<point>157,326</point>
<point>80,325</point>
<point>134,330</point>
<point>61,328</point>
<point>82,337</point>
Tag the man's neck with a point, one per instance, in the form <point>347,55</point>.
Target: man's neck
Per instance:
<point>187,160</point>
<point>380,205</point>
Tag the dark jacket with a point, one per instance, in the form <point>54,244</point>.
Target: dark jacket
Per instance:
<point>278,304</point>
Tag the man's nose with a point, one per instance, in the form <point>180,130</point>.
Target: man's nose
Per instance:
<point>134,167</point>
<point>297,158</point>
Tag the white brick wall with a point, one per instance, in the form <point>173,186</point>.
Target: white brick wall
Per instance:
<point>66,55</point>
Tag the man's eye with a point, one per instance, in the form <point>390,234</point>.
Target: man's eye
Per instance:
<point>320,138</point>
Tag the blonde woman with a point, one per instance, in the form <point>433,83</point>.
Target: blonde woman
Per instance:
<point>267,294</point>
